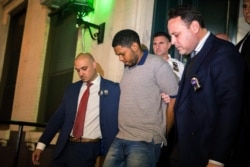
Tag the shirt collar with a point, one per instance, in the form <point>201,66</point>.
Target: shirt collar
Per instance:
<point>96,80</point>
<point>143,58</point>
<point>201,43</point>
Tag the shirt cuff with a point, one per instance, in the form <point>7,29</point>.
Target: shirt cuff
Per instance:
<point>216,163</point>
<point>173,96</point>
<point>40,146</point>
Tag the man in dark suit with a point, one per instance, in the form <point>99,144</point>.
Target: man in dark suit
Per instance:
<point>240,156</point>
<point>244,44</point>
<point>101,120</point>
<point>208,105</point>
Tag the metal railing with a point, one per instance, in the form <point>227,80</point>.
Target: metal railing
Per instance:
<point>21,124</point>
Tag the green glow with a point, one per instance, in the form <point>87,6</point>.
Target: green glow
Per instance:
<point>105,7</point>
<point>87,3</point>
<point>84,2</point>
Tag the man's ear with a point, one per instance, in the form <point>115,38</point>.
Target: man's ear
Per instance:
<point>195,26</point>
<point>135,46</point>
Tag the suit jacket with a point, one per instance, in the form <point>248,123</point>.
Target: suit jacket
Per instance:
<point>245,51</point>
<point>63,118</point>
<point>240,156</point>
<point>207,119</point>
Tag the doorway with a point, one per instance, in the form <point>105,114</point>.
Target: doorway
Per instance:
<point>11,62</point>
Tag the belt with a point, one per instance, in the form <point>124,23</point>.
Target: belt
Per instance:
<point>83,140</point>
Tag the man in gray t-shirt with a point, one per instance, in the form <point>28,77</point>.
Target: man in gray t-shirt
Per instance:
<point>142,113</point>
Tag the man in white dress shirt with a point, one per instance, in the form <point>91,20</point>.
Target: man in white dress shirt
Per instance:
<point>161,45</point>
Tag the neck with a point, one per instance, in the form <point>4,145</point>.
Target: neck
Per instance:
<point>165,57</point>
<point>93,78</point>
<point>202,33</point>
<point>140,54</point>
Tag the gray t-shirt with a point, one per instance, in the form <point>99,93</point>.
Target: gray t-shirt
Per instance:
<point>142,112</point>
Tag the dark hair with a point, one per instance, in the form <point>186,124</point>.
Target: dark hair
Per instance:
<point>126,38</point>
<point>187,13</point>
<point>162,33</point>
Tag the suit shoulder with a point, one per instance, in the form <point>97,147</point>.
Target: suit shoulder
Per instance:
<point>77,83</point>
<point>74,85</point>
<point>107,81</point>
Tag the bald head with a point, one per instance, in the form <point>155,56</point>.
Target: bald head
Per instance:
<point>223,36</point>
<point>85,66</point>
<point>85,56</point>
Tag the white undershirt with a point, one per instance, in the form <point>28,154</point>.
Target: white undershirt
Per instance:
<point>92,119</point>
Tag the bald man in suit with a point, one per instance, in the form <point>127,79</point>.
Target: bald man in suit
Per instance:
<point>101,120</point>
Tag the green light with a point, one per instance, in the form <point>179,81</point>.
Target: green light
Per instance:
<point>106,4</point>
<point>89,3</point>
<point>81,7</point>
<point>105,8</point>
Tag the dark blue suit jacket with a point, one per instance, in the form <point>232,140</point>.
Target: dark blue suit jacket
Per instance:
<point>63,119</point>
<point>207,119</point>
<point>241,154</point>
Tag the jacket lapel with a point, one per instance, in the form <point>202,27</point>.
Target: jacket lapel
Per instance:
<point>241,41</point>
<point>191,69</point>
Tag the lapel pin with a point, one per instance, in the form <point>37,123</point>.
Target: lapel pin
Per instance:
<point>195,83</point>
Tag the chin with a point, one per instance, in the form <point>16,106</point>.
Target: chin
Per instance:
<point>127,64</point>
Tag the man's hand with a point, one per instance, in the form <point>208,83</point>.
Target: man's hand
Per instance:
<point>36,157</point>
<point>213,163</point>
<point>165,97</point>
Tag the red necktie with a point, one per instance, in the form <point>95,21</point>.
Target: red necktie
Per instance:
<point>79,122</point>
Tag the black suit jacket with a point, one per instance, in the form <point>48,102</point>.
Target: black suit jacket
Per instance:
<point>240,155</point>
<point>245,51</point>
<point>207,119</point>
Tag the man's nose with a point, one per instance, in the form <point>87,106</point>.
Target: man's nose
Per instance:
<point>120,58</point>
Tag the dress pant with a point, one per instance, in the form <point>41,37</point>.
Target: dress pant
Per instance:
<point>78,154</point>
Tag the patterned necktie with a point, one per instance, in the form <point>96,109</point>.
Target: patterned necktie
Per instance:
<point>79,122</point>
<point>193,54</point>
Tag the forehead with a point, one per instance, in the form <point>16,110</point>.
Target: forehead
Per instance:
<point>82,61</point>
<point>246,2</point>
<point>175,25</point>
<point>120,49</point>
<point>160,38</point>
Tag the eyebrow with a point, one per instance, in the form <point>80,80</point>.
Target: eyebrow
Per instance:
<point>245,5</point>
<point>81,68</point>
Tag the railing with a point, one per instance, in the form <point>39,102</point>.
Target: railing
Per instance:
<point>21,124</point>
